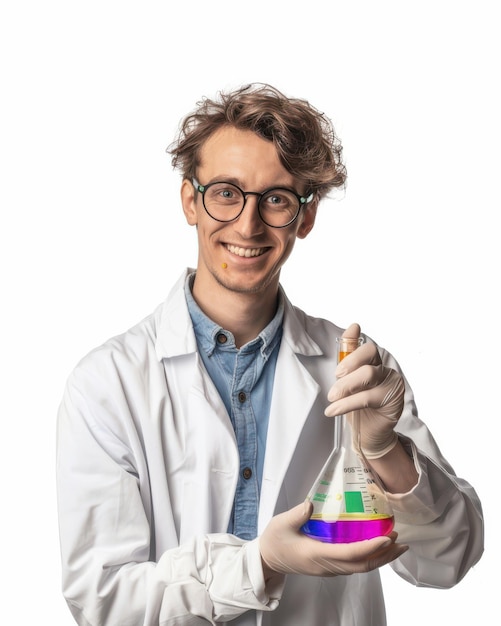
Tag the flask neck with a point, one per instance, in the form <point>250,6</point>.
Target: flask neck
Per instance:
<point>343,435</point>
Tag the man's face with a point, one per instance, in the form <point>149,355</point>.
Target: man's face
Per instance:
<point>244,255</point>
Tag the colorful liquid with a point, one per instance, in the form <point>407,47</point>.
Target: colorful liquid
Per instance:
<point>348,530</point>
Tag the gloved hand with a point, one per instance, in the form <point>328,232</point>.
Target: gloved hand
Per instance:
<point>375,392</point>
<point>286,550</point>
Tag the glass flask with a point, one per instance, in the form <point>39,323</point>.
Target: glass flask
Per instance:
<point>349,500</point>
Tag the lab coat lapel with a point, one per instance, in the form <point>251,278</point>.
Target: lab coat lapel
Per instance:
<point>208,472</point>
<point>211,460</point>
<point>294,394</point>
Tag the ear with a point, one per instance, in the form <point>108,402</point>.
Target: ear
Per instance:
<point>308,222</point>
<point>189,203</point>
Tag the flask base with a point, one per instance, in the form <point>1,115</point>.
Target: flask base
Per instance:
<point>348,530</point>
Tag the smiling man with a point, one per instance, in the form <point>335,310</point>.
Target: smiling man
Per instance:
<point>187,445</point>
<point>240,255</point>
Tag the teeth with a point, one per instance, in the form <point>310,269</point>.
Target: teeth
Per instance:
<point>246,252</point>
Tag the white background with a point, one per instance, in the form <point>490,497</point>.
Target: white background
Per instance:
<point>92,235</point>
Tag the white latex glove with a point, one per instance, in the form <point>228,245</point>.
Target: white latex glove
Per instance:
<point>286,550</point>
<point>375,392</point>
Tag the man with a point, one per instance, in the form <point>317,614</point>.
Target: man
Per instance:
<point>187,445</point>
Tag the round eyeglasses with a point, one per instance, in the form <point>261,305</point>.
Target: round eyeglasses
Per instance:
<point>277,207</point>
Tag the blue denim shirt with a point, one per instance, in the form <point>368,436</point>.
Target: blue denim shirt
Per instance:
<point>244,380</point>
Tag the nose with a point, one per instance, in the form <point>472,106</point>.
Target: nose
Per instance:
<point>249,223</point>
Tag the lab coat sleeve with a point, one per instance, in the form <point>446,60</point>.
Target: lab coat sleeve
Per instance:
<point>441,521</point>
<point>109,575</point>
<point>441,518</point>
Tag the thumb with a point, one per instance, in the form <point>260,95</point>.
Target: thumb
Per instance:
<point>353,331</point>
<point>299,514</point>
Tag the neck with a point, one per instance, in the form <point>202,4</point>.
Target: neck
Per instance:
<point>243,314</point>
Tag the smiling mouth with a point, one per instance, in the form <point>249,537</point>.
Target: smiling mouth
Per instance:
<point>245,252</point>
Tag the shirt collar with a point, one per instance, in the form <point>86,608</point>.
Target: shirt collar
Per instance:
<point>207,331</point>
<point>175,335</point>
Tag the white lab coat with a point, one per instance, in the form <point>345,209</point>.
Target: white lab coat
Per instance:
<point>147,467</point>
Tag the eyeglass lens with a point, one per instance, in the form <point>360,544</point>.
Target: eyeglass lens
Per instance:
<point>224,202</point>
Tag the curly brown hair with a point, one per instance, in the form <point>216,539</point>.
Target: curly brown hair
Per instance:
<point>305,139</point>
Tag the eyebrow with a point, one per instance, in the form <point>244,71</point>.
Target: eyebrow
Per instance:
<point>223,178</point>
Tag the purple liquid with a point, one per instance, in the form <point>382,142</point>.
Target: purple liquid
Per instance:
<point>346,531</point>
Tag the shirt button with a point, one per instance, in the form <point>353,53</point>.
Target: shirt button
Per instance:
<point>242,396</point>
<point>247,473</point>
<point>222,338</point>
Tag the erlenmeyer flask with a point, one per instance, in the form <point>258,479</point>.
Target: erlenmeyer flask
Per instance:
<point>349,500</point>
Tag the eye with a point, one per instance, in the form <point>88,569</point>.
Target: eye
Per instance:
<point>276,199</point>
<point>279,199</point>
<point>223,193</point>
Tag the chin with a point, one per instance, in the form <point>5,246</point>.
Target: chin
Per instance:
<point>242,286</point>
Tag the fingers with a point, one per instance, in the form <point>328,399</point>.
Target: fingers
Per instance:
<point>366,354</point>
<point>363,382</point>
<point>353,331</point>
<point>393,552</point>
<point>356,558</point>
<point>367,388</point>
<point>355,387</point>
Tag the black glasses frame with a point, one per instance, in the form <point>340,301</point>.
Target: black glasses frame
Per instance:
<point>301,199</point>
